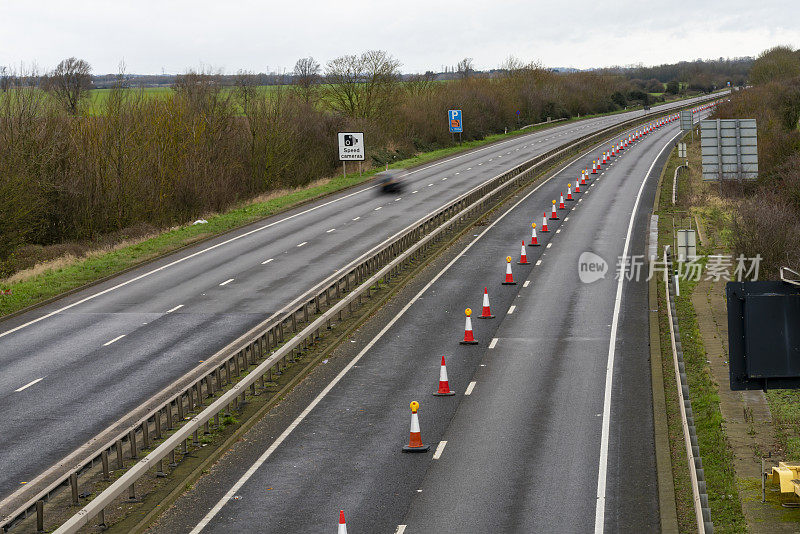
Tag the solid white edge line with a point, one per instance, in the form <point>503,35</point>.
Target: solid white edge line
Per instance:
<point>178,307</point>
<point>470,387</point>
<point>511,309</point>
<point>29,384</point>
<point>600,508</point>
<point>299,419</point>
<point>226,282</point>
<point>493,343</point>
<point>439,450</point>
<point>113,340</point>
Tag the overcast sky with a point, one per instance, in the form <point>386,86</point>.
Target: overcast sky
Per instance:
<point>173,36</point>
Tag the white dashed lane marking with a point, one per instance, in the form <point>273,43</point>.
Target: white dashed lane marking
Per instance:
<point>357,218</point>
<point>439,450</point>
<point>331,230</point>
<point>470,387</point>
<point>113,340</point>
<point>29,384</point>
<point>176,308</point>
<point>229,280</point>
<point>267,261</point>
<point>511,309</point>
<point>493,343</point>
<point>527,282</point>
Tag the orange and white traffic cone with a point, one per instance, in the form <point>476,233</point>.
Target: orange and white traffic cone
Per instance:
<point>577,187</point>
<point>561,205</point>
<point>544,222</point>
<point>509,281</point>
<point>553,214</point>
<point>534,239</point>
<point>487,312</point>
<point>342,524</point>
<point>415,436</point>
<point>469,339</point>
<point>594,167</point>
<point>523,256</point>
<point>444,385</point>
<point>583,177</point>
<point>569,192</point>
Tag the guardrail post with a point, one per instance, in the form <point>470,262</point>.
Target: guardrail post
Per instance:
<point>146,434</point>
<point>157,422</point>
<point>160,470</point>
<point>172,462</point>
<point>294,323</point>
<point>132,492</point>
<point>120,463</point>
<point>73,484</point>
<point>101,519</point>
<point>168,407</point>
<point>104,460</point>
<point>132,441</point>
<point>179,401</point>
<point>40,516</point>
<point>305,312</point>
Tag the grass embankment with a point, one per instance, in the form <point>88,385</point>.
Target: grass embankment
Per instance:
<point>723,495</point>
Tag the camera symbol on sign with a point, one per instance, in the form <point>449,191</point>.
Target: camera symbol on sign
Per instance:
<point>350,140</point>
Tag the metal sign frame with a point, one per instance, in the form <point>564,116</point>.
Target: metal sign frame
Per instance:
<point>455,119</point>
<point>729,149</point>
<point>687,120</point>
<point>351,146</point>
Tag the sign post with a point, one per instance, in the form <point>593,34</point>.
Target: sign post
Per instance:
<point>351,147</point>
<point>456,123</point>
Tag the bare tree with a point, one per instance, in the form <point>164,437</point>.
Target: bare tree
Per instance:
<point>362,86</point>
<point>5,79</point>
<point>465,68</point>
<point>420,85</point>
<point>246,89</point>
<point>306,77</point>
<point>70,82</point>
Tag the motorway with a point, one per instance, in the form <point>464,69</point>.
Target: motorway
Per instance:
<point>71,368</point>
<point>551,429</point>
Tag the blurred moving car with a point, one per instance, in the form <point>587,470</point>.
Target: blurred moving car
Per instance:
<point>391,183</point>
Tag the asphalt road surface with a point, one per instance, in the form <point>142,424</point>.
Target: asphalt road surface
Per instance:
<point>70,369</point>
<point>551,428</point>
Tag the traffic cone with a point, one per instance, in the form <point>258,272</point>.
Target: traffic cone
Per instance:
<point>569,192</point>
<point>415,436</point>
<point>544,222</point>
<point>594,167</point>
<point>444,385</point>
<point>583,177</point>
<point>577,187</point>
<point>523,256</point>
<point>509,277</point>
<point>534,240</point>
<point>561,202</point>
<point>487,312</point>
<point>468,337</point>
<point>342,524</point>
<point>553,214</point>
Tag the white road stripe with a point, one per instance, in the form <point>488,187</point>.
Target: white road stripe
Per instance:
<point>226,282</point>
<point>538,262</point>
<point>113,340</point>
<point>549,245</point>
<point>357,218</point>
<point>418,191</point>
<point>439,450</point>
<point>178,307</point>
<point>430,185</point>
<point>558,232</point>
<point>379,207</point>
<point>493,343</point>
<point>302,244</point>
<point>527,282</point>
<point>267,261</point>
<point>400,529</point>
<point>29,384</point>
<point>511,309</point>
<point>566,219</point>
<point>600,509</point>
<point>470,387</point>
<point>398,199</point>
<point>331,230</point>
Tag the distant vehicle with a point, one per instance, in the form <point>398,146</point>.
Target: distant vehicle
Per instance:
<point>391,183</point>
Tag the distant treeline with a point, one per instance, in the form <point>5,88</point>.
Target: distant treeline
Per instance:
<point>159,160</point>
<point>698,75</point>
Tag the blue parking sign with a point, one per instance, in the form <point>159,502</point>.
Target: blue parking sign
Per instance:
<point>456,125</point>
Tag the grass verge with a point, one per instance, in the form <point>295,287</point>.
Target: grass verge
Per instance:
<point>723,494</point>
